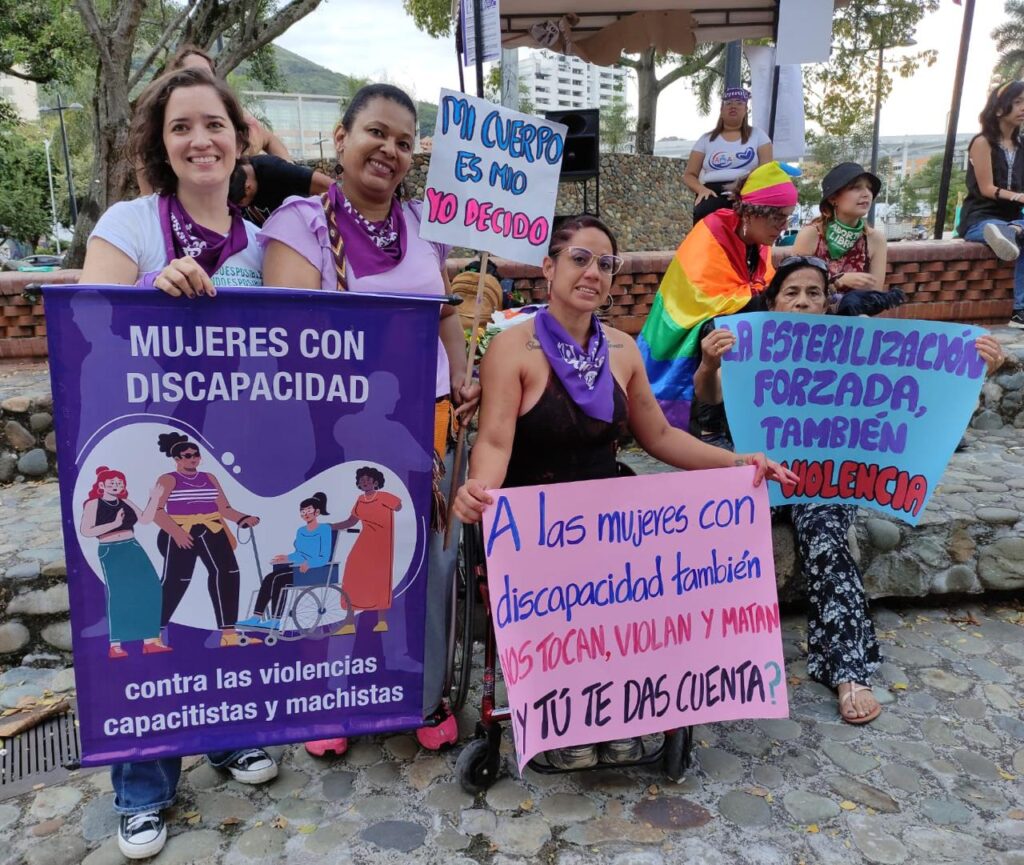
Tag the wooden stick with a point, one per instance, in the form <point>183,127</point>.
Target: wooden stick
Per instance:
<point>460,444</point>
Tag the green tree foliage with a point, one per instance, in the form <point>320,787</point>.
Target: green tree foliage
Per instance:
<point>841,93</point>
<point>431,16</point>
<point>923,188</point>
<point>1009,39</point>
<point>825,151</point>
<point>24,193</point>
<point>41,40</point>
<point>618,126</point>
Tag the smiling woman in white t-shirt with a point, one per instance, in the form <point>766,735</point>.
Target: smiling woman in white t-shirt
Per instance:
<point>725,154</point>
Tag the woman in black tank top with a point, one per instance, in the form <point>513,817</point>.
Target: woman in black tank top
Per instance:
<point>991,213</point>
<point>560,391</point>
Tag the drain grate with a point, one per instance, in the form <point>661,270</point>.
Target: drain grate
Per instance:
<point>45,755</point>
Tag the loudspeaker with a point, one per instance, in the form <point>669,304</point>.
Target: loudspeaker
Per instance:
<point>581,158</point>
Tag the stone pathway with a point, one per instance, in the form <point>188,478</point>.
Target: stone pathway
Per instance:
<point>937,778</point>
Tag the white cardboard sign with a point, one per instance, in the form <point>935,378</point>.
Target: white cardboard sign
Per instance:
<point>493,178</point>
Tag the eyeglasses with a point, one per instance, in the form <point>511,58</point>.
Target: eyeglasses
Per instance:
<point>609,265</point>
<point>779,219</point>
<point>188,456</point>
<point>806,261</point>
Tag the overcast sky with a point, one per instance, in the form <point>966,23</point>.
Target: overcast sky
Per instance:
<point>375,38</point>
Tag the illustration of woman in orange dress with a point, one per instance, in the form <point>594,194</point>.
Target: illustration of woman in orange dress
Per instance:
<point>370,565</point>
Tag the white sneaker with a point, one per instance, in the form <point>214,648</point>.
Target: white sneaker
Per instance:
<point>252,766</point>
<point>140,836</point>
<point>1002,240</point>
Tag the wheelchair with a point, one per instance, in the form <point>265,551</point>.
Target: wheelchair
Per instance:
<point>478,765</point>
<point>311,606</point>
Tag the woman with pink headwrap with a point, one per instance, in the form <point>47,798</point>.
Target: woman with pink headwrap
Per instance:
<point>721,265</point>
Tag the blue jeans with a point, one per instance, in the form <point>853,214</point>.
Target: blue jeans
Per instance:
<point>150,785</point>
<point>975,233</point>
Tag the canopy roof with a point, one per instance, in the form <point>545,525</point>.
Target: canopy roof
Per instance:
<point>600,30</point>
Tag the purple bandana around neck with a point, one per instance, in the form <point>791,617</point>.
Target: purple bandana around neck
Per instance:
<point>184,236</point>
<point>361,253</point>
<point>586,376</point>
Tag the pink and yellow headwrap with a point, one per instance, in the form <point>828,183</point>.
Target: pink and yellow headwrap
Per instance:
<point>771,185</point>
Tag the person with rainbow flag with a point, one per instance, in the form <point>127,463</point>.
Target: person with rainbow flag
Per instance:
<point>721,265</point>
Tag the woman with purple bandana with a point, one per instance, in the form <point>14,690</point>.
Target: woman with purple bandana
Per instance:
<point>361,236</point>
<point>560,391</point>
<point>187,133</point>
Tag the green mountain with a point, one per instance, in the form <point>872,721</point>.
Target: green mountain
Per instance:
<point>304,76</point>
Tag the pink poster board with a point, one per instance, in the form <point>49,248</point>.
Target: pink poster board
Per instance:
<point>632,606</point>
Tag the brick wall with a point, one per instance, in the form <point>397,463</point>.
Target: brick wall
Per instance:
<point>948,280</point>
<point>943,280</point>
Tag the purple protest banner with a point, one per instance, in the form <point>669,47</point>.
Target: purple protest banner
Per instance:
<point>245,490</point>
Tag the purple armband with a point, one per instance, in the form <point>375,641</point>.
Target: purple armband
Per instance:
<point>147,280</point>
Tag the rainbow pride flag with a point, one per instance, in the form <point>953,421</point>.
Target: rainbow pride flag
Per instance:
<point>708,276</point>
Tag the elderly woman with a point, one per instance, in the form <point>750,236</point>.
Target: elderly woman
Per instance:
<point>720,266</point>
<point>722,156</point>
<point>842,650</point>
<point>560,390</point>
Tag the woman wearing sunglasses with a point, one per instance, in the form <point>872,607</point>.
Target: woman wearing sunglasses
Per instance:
<point>560,391</point>
<point>842,650</point>
<point>722,264</point>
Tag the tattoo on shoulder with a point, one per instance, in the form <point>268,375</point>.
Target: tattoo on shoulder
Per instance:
<point>616,344</point>
<point>532,344</point>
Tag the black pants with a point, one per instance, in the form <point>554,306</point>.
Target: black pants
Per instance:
<point>214,550</point>
<point>271,589</point>
<point>715,202</point>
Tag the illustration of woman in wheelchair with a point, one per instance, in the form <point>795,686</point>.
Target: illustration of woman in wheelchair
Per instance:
<point>292,600</point>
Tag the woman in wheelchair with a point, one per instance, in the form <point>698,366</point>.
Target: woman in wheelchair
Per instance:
<point>560,391</point>
<point>312,550</point>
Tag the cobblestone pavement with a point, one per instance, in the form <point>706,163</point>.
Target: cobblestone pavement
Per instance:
<point>938,778</point>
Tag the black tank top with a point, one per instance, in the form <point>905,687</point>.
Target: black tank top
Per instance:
<point>977,207</point>
<point>105,513</point>
<point>556,442</point>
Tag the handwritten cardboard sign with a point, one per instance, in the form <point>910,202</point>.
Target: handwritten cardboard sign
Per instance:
<point>493,178</point>
<point>866,411</point>
<point>632,606</point>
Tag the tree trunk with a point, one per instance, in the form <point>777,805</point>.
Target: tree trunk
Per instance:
<point>647,108</point>
<point>113,175</point>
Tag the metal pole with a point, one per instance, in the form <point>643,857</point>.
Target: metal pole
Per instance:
<point>53,200</point>
<point>510,78</point>
<point>478,45</point>
<point>733,66</point>
<point>775,99</point>
<point>954,116</point>
<point>874,134</point>
<point>67,163</point>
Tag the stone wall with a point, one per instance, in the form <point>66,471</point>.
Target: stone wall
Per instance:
<point>643,198</point>
<point>28,444</point>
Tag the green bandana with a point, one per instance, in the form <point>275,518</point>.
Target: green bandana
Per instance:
<point>841,238</point>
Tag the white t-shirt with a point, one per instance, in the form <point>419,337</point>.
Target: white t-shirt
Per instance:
<point>729,160</point>
<point>134,228</point>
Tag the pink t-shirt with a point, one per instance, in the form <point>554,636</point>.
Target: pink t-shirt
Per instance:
<point>301,224</point>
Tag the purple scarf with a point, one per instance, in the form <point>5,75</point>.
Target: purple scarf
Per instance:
<point>362,254</point>
<point>586,376</point>
<point>184,236</point>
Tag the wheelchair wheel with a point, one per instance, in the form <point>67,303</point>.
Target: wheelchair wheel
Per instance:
<point>461,662</point>
<point>677,749</point>
<point>477,766</point>
<point>307,611</point>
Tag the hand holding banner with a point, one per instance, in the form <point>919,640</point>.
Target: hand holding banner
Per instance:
<point>493,179</point>
<point>616,620</point>
<point>866,411</point>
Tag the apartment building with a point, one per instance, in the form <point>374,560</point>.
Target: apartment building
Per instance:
<point>557,82</point>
